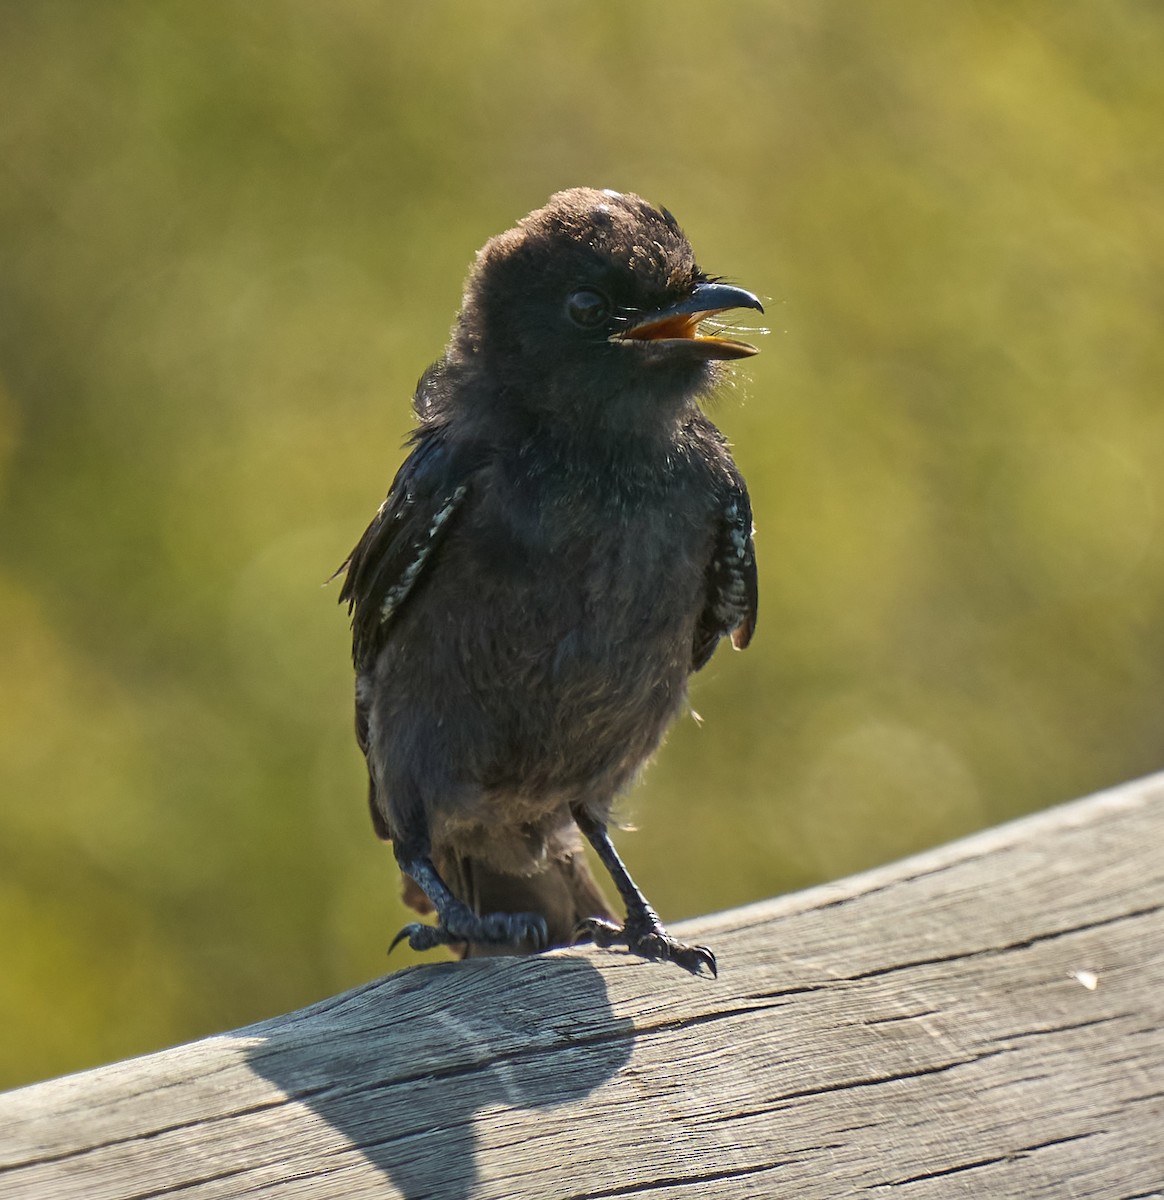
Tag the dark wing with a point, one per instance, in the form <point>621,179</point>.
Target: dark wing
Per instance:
<point>732,591</point>
<point>391,557</point>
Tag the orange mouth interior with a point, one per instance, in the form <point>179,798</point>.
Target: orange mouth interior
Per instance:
<point>684,326</point>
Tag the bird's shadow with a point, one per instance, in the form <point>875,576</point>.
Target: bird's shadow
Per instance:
<point>402,1067</point>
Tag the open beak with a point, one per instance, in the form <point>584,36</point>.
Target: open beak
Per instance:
<point>678,324</point>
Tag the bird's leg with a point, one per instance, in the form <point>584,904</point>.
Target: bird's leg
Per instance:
<point>643,932</point>
<point>456,921</point>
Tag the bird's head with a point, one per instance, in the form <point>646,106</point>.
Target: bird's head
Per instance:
<point>590,310</point>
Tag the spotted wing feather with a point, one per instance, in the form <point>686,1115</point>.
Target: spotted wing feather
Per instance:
<point>389,561</point>
<point>732,589</point>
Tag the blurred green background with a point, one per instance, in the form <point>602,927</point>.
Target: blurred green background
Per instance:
<point>232,236</point>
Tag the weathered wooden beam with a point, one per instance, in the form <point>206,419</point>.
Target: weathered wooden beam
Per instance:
<point>983,1020</point>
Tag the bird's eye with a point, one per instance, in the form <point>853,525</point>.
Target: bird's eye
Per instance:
<point>588,308</point>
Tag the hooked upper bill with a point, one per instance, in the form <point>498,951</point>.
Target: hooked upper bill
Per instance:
<point>678,324</point>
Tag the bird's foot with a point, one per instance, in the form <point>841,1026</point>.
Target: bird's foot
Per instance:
<point>525,930</point>
<point>644,935</point>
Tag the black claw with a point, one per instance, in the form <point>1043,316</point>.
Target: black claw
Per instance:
<point>515,929</point>
<point>421,937</point>
<point>601,932</point>
<point>695,959</point>
<point>648,939</point>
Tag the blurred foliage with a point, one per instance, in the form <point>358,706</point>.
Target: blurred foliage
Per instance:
<point>231,237</point>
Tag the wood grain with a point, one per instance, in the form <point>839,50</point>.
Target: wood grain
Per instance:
<point>984,1020</point>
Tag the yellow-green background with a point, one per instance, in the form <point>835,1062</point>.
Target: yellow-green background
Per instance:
<point>231,237</point>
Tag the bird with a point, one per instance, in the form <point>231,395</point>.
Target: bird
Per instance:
<point>566,542</point>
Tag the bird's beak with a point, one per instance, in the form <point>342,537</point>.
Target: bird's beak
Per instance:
<point>678,324</point>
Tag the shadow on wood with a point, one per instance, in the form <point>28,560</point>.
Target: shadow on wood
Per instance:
<point>408,1069</point>
<point>982,1020</point>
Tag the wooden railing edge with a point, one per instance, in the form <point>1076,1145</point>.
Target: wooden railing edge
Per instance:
<point>984,1018</point>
